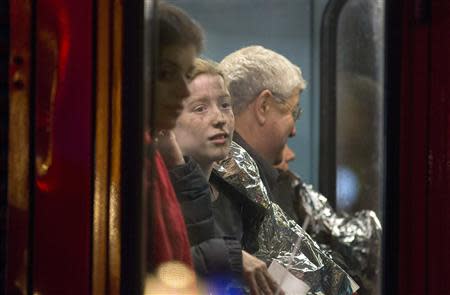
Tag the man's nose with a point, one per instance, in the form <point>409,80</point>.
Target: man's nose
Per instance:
<point>293,131</point>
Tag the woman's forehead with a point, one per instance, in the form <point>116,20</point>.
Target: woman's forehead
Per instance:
<point>211,84</point>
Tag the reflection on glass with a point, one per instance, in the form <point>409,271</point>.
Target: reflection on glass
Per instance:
<point>347,188</point>
<point>288,27</point>
<point>359,109</point>
<point>359,104</point>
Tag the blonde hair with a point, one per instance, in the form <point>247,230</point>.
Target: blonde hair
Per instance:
<point>205,66</point>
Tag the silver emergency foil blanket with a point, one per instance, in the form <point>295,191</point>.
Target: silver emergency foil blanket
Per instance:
<point>356,237</point>
<point>278,234</point>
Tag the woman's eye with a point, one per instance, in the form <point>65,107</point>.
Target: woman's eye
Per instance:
<point>188,76</point>
<point>200,109</point>
<point>226,105</point>
<point>164,75</point>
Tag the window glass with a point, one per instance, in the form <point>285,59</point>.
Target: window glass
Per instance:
<point>286,26</point>
<point>359,106</point>
<point>293,28</point>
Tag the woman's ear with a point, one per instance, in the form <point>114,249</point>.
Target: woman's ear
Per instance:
<point>262,106</point>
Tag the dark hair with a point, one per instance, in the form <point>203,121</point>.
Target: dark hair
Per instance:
<point>176,27</point>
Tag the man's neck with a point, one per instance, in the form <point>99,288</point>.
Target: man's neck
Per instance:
<point>250,132</point>
<point>254,138</point>
<point>268,174</point>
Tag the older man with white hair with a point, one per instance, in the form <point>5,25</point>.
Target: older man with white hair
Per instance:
<point>266,88</point>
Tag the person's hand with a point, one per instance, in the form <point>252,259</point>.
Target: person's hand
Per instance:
<point>257,277</point>
<point>168,147</point>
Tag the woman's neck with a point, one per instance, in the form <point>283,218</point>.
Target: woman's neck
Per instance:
<point>206,168</point>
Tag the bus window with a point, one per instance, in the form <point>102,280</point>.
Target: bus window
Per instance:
<point>288,27</point>
<point>352,157</point>
<point>339,47</point>
<point>352,117</point>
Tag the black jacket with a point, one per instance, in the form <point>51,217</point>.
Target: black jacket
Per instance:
<point>268,173</point>
<point>213,253</point>
<point>282,192</point>
<point>236,215</point>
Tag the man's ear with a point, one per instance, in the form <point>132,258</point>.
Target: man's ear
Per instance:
<point>262,106</point>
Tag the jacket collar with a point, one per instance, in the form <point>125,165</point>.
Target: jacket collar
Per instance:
<point>269,175</point>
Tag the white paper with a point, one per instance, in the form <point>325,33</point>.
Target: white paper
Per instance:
<point>289,283</point>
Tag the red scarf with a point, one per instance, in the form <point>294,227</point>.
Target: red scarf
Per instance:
<point>169,238</point>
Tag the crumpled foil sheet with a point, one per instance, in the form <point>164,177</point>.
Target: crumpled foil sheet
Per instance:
<point>356,237</point>
<point>278,234</point>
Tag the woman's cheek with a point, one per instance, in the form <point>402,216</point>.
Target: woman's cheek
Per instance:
<point>230,121</point>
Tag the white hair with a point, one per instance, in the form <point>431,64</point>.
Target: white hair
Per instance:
<point>253,69</point>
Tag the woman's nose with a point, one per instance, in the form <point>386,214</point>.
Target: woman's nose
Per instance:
<point>218,116</point>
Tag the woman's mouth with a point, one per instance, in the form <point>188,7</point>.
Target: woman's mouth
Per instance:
<point>219,138</point>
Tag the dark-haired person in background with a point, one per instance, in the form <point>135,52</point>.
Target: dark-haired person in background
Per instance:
<point>180,40</point>
<point>183,225</point>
